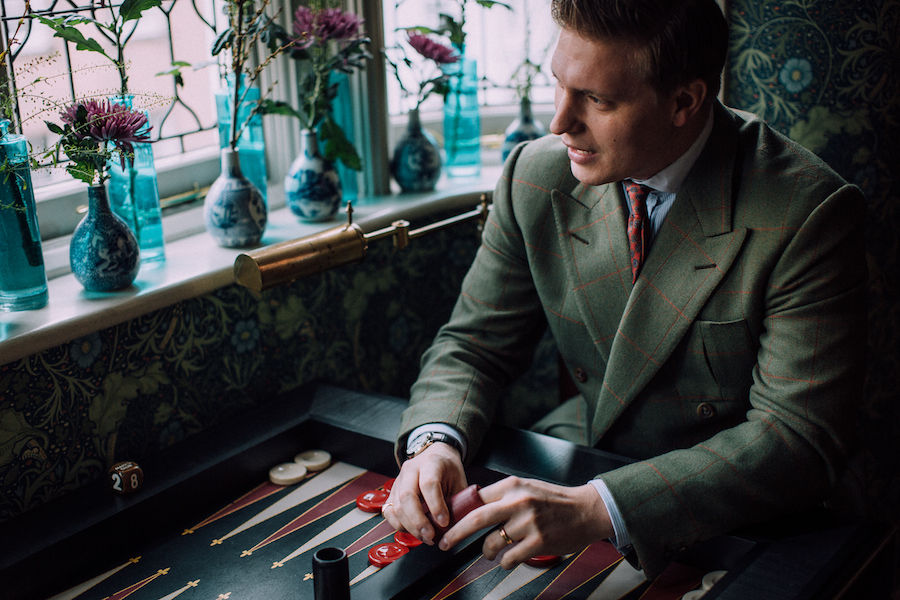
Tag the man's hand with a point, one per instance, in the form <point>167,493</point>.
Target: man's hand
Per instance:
<point>538,518</point>
<point>435,474</point>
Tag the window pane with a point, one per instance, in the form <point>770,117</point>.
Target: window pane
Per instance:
<point>48,73</point>
<point>525,31</point>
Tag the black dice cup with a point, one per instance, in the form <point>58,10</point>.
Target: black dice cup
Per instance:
<point>331,574</point>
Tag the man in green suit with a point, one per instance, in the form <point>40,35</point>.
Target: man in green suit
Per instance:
<point>713,324</point>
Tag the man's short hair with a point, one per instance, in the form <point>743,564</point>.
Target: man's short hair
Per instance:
<point>683,40</point>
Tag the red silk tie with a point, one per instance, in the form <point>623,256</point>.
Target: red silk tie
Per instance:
<point>638,224</point>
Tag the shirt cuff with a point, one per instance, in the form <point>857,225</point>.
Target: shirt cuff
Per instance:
<point>622,539</point>
<point>438,428</point>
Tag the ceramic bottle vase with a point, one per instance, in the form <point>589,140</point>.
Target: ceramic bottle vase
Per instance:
<point>416,162</point>
<point>312,187</point>
<point>234,211</point>
<point>103,253</point>
<point>522,129</point>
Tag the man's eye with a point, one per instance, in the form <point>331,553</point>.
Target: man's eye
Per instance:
<point>597,100</point>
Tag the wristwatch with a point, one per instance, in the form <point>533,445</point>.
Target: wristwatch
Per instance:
<point>422,441</point>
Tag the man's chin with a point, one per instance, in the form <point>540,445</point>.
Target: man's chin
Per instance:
<point>587,175</point>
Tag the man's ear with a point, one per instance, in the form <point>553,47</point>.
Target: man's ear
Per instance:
<point>689,99</point>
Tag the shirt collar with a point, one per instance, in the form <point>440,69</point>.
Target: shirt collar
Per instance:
<point>669,180</point>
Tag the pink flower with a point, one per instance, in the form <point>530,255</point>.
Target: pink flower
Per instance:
<point>105,121</point>
<point>433,50</point>
<point>304,27</point>
<point>317,27</point>
<point>335,24</point>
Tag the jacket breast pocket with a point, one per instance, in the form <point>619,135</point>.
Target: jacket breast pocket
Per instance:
<point>730,352</point>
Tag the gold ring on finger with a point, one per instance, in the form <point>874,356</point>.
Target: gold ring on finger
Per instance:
<point>504,535</point>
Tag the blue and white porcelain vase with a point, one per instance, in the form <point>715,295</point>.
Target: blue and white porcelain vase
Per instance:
<point>312,187</point>
<point>103,252</point>
<point>416,163</point>
<point>522,129</point>
<point>234,211</point>
<point>251,144</point>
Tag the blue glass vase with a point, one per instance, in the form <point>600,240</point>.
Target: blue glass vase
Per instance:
<point>522,129</point>
<point>103,253</point>
<point>134,196</point>
<point>462,123</point>
<point>251,144</point>
<point>312,187</point>
<point>234,211</point>
<point>416,162</point>
<point>23,280</point>
<point>342,111</point>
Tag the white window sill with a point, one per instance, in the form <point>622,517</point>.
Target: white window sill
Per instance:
<point>195,265</point>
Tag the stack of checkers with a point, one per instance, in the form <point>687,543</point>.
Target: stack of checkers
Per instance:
<point>460,504</point>
<point>709,580</point>
<point>310,461</point>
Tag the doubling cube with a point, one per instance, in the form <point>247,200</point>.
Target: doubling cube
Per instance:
<point>126,477</point>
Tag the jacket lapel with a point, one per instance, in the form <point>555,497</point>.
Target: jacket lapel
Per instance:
<point>591,228</point>
<point>691,254</point>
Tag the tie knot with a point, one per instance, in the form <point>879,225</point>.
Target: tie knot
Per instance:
<point>637,193</point>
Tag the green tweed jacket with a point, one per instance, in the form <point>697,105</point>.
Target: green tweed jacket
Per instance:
<point>732,369</point>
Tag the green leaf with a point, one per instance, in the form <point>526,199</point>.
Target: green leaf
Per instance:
<point>82,171</point>
<point>278,107</point>
<point>132,9</point>
<point>54,128</point>
<point>337,146</point>
<point>70,34</point>
<point>223,42</point>
<point>493,3</point>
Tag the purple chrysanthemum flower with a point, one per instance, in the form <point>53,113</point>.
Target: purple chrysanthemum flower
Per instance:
<point>317,27</point>
<point>304,27</point>
<point>105,121</point>
<point>433,50</point>
<point>335,24</point>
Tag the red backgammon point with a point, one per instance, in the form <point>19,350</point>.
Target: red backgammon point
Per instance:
<point>407,539</point>
<point>384,554</point>
<point>372,501</point>
<point>542,561</point>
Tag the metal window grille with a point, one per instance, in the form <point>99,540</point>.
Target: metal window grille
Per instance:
<point>40,72</point>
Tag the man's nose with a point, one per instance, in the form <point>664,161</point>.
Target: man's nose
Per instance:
<point>565,118</point>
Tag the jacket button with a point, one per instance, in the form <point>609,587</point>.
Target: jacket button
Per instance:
<point>705,410</point>
<point>580,375</point>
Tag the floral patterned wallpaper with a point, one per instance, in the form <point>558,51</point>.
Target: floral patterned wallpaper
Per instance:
<point>128,391</point>
<point>827,74</point>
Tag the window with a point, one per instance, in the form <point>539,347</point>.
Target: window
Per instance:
<point>527,32</point>
<point>45,72</point>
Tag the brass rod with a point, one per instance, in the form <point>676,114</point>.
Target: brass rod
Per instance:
<point>287,261</point>
<point>467,216</point>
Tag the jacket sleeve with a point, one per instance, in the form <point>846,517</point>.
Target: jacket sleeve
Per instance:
<point>806,389</point>
<point>491,334</point>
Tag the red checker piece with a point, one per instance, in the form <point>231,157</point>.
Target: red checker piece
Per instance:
<point>372,501</point>
<point>460,504</point>
<point>407,539</point>
<point>543,560</point>
<point>384,554</point>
